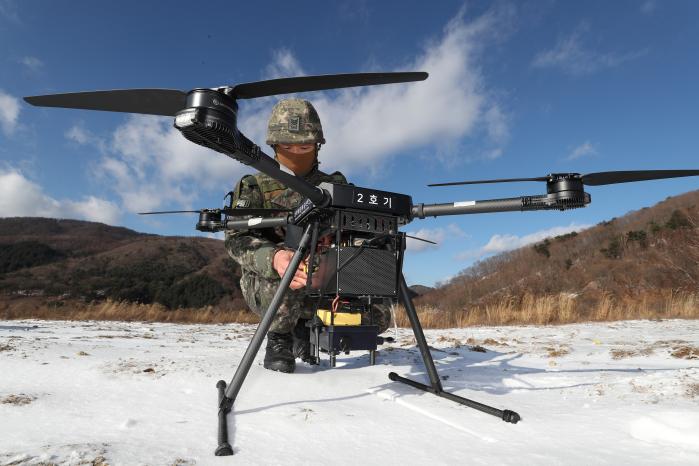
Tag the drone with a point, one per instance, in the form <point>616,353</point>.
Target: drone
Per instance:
<point>360,259</point>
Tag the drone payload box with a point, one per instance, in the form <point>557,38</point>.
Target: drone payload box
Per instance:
<point>366,255</point>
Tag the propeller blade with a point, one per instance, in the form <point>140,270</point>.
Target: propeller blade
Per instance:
<point>503,180</point>
<point>171,212</point>
<point>149,101</point>
<point>595,179</point>
<point>321,83</point>
<point>420,239</point>
<point>234,212</point>
<point>168,102</point>
<point>602,178</point>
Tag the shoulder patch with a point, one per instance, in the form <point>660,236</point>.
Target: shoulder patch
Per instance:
<point>242,203</point>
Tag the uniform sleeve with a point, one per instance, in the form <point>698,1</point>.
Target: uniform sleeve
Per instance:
<point>248,247</point>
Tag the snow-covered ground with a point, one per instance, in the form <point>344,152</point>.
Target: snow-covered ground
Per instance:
<point>138,393</point>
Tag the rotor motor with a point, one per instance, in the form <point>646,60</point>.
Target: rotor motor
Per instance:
<point>210,120</point>
<point>209,220</point>
<point>566,191</point>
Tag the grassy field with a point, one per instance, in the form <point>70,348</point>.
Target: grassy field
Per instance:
<point>560,309</point>
<point>537,310</point>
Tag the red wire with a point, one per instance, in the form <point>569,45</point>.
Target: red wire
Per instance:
<point>335,303</point>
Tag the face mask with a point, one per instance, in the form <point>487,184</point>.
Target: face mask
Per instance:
<point>300,164</point>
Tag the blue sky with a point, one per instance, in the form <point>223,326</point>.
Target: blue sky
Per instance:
<point>516,89</point>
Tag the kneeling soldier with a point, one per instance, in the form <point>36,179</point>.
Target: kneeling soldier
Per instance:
<point>295,134</point>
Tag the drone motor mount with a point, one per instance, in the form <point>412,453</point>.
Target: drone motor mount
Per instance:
<point>209,220</point>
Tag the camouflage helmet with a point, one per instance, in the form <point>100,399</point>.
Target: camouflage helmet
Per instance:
<point>294,121</point>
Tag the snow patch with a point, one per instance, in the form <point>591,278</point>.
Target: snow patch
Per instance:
<point>590,408</point>
<point>397,397</point>
<point>672,428</point>
<point>127,424</point>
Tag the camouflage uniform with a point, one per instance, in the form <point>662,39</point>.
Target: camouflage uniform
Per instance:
<point>254,250</point>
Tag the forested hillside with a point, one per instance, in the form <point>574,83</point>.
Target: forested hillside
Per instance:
<point>642,264</point>
<point>63,261</point>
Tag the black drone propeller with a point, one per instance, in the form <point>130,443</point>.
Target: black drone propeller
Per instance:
<point>231,212</point>
<point>165,102</point>
<point>592,179</point>
<point>321,83</point>
<point>168,102</point>
<point>420,239</point>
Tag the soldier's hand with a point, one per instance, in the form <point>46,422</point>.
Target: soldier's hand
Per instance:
<point>280,262</point>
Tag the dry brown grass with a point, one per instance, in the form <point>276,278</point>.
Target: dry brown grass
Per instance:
<point>528,310</point>
<point>685,352</point>
<point>560,309</point>
<point>110,310</point>
<point>493,342</point>
<point>454,342</point>
<point>18,400</point>
<point>622,353</point>
<point>618,353</point>
<point>557,352</point>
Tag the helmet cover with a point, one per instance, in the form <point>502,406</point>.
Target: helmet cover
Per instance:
<point>294,121</point>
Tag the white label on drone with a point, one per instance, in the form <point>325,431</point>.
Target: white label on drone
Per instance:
<point>464,203</point>
<point>254,221</point>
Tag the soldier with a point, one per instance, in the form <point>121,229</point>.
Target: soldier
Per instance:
<point>295,134</point>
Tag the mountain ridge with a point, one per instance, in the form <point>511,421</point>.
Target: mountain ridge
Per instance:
<point>644,259</point>
<point>91,261</point>
<point>638,257</point>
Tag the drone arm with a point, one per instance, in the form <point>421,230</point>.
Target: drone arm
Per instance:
<point>541,202</point>
<point>215,128</point>
<point>250,154</point>
<point>467,207</point>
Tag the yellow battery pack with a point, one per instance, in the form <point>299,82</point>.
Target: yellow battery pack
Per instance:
<point>341,318</point>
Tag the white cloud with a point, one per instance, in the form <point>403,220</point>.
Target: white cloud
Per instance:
<point>20,197</point>
<point>507,242</point>
<point>648,7</point>
<point>438,235</point>
<point>9,113</point>
<point>82,136</point>
<point>497,125</point>
<point>584,149</point>
<point>92,208</point>
<point>32,63</point>
<point>493,154</point>
<point>79,134</point>
<point>284,65</point>
<point>572,56</point>
<point>150,164</point>
<point>8,10</point>
<point>365,126</point>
